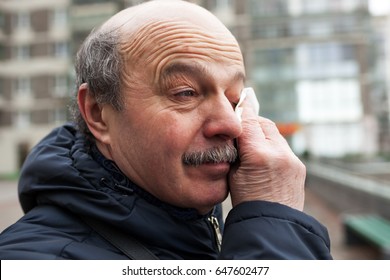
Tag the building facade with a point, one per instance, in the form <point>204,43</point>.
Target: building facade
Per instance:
<point>34,74</point>
<point>38,40</point>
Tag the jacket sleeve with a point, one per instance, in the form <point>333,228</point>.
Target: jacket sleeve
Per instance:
<point>267,230</point>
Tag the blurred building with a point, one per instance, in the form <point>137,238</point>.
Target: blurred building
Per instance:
<point>34,72</point>
<point>38,39</point>
<point>380,78</point>
<point>320,69</point>
<point>88,14</point>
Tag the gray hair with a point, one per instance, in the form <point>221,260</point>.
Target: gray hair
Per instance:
<point>99,64</point>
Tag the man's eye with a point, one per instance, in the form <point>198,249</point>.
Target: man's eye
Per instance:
<point>186,93</point>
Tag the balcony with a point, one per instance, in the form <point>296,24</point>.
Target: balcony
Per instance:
<point>87,17</point>
<point>34,67</point>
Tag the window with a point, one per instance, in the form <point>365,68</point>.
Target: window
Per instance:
<point>60,86</point>
<point>2,52</point>
<point>262,8</point>
<point>320,28</point>
<point>294,7</point>
<point>348,52</point>
<point>22,20</point>
<point>326,60</point>
<point>60,18</point>
<point>329,100</point>
<point>346,24</point>
<point>351,5</point>
<point>224,4</point>
<point>22,52</point>
<point>22,119</point>
<point>318,6</point>
<point>61,49</point>
<point>130,2</point>
<point>23,87</point>
<point>1,88</point>
<point>270,30</point>
<point>59,115</point>
<point>297,28</point>
<point>1,20</point>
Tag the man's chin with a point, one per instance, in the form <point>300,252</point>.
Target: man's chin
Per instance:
<point>208,203</point>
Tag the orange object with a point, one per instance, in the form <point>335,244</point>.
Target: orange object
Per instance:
<point>288,129</point>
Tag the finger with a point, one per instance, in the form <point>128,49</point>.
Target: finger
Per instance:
<point>269,128</point>
<point>247,111</point>
<point>271,131</point>
<point>250,122</point>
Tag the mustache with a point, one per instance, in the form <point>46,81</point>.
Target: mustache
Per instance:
<point>227,153</point>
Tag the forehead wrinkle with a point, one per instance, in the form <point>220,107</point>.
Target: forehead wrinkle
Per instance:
<point>194,49</point>
<point>194,46</point>
<point>163,30</point>
<point>166,61</point>
<point>177,36</point>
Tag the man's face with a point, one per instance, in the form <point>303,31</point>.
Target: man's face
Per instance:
<point>180,89</point>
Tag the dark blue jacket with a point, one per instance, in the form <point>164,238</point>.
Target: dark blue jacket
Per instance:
<point>62,181</point>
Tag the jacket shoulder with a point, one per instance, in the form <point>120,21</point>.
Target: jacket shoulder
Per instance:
<point>49,232</point>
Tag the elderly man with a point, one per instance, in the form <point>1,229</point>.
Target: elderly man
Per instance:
<point>157,148</point>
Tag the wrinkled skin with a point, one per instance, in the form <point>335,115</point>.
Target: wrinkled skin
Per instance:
<point>268,169</point>
<point>183,76</point>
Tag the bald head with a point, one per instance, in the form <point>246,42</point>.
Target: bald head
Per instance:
<point>157,32</point>
<point>132,19</point>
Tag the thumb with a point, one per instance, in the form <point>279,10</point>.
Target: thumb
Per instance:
<point>249,107</point>
<point>247,100</point>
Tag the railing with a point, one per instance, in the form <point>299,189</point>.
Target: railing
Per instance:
<point>349,180</point>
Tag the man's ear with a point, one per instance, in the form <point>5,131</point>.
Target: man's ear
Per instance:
<point>92,112</point>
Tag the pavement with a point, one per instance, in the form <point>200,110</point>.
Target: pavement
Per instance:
<point>10,212</point>
<point>332,219</point>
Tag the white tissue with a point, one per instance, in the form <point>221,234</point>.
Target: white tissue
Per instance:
<point>250,94</point>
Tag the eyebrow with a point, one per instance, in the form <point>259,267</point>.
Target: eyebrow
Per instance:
<point>192,69</point>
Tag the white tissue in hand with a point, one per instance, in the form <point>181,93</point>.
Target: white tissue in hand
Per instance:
<point>250,94</point>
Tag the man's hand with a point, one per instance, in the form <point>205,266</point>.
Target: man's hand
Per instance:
<point>268,169</point>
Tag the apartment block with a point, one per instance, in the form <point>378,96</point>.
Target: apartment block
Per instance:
<point>38,40</point>
<point>34,74</point>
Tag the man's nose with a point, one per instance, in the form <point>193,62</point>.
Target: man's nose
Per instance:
<point>222,121</point>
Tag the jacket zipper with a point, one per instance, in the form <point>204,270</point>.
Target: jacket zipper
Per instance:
<point>217,231</point>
